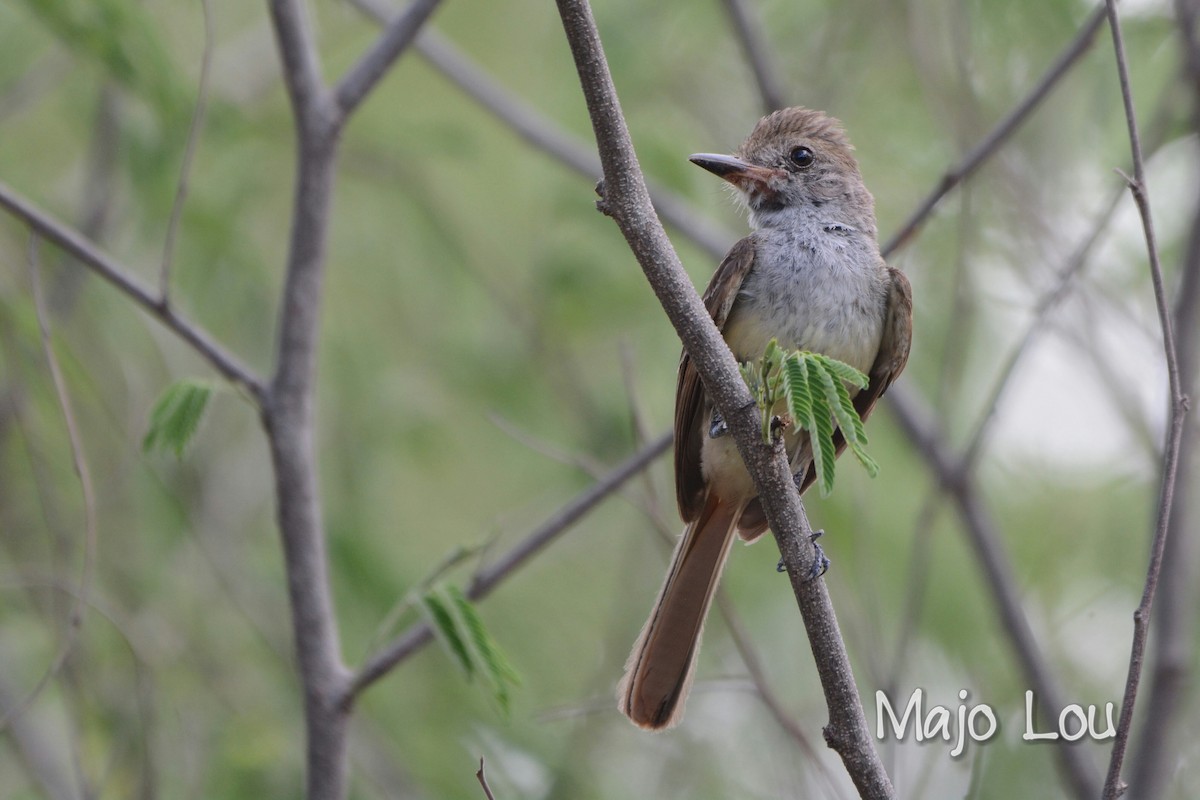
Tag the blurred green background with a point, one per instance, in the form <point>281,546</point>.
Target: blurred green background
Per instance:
<point>489,341</point>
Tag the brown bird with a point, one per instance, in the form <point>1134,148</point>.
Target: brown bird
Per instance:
<point>811,276</point>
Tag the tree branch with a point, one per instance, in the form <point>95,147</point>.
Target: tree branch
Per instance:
<point>287,410</point>
<point>1171,687</point>
<point>917,423</point>
<point>123,279</point>
<point>487,579</point>
<point>628,202</point>
<point>354,86</point>
<point>1113,786</point>
<point>310,99</point>
<point>987,147</point>
<point>543,134</point>
<point>754,45</point>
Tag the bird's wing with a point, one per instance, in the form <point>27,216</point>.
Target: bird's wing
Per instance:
<point>689,392</point>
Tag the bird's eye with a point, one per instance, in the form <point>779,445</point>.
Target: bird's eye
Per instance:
<point>801,157</point>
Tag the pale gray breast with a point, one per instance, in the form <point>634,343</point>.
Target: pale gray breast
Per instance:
<point>821,289</point>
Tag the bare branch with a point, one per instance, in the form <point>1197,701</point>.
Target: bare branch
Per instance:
<point>628,202</point>
<point>288,415</point>
<point>918,425</point>
<point>1171,677</point>
<point>1036,327</point>
<point>310,99</point>
<point>1113,786</point>
<point>356,84</point>
<point>189,154</point>
<point>99,262</point>
<point>986,148</point>
<point>487,579</point>
<point>762,686</point>
<point>79,462</point>
<point>754,44</point>
<point>487,790</point>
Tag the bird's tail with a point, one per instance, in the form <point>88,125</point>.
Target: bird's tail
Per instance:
<point>659,672</point>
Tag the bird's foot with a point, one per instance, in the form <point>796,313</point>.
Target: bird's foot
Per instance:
<point>717,428</point>
<point>820,564</point>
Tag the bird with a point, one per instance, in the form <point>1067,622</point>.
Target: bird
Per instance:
<point>809,275</point>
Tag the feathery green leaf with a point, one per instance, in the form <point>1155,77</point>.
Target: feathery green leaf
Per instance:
<point>446,630</point>
<point>176,416</point>
<point>460,628</point>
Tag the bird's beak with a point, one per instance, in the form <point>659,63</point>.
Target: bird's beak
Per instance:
<point>742,174</point>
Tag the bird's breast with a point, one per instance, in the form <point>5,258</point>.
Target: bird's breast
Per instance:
<point>826,297</point>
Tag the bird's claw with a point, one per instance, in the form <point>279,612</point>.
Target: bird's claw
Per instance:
<point>820,564</point>
<point>717,428</point>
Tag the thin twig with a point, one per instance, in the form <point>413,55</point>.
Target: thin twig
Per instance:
<point>487,579</point>
<point>1169,691</point>
<point>1113,786</point>
<point>123,279</point>
<point>627,201</point>
<point>1037,327</point>
<point>79,462</point>
<point>917,422</point>
<point>189,154</point>
<point>487,790</point>
<point>987,147</point>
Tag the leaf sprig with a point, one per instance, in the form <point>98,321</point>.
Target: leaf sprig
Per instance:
<point>461,630</point>
<point>176,416</point>
<point>813,388</point>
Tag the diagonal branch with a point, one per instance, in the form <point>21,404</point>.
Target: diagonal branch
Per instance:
<point>988,146</point>
<point>754,45</point>
<point>354,86</point>
<point>628,202</point>
<point>485,580</point>
<point>123,279</point>
<point>917,422</point>
<point>1113,786</point>
<point>543,134</point>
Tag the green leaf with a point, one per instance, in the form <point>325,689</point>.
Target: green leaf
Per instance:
<point>494,665</point>
<point>176,416</point>
<point>847,417</point>
<point>821,434</point>
<point>847,373</point>
<point>796,389</point>
<point>813,387</point>
<point>447,631</point>
<point>459,626</point>
<point>811,412</point>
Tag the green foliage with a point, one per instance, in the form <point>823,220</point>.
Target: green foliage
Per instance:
<point>176,416</point>
<point>121,36</point>
<point>812,388</point>
<point>461,631</point>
